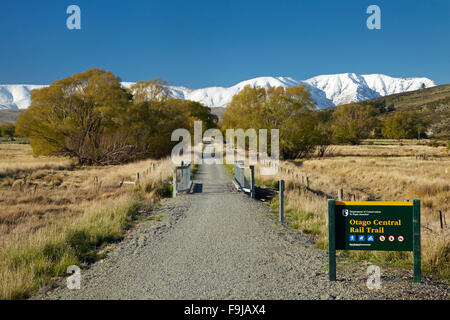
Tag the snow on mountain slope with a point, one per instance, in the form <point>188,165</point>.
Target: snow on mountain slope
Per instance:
<point>385,85</point>
<point>220,96</point>
<point>326,90</point>
<point>16,96</point>
<point>350,87</point>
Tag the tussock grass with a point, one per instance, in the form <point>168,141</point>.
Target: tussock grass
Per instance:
<point>15,158</point>
<point>29,261</point>
<point>52,217</point>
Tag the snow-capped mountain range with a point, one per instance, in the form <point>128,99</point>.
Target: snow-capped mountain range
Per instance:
<point>326,90</point>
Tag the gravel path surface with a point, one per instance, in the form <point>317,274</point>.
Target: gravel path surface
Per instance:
<point>217,243</point>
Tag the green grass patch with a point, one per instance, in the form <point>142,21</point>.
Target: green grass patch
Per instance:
<point>164,190</point>
<point>229,168</point>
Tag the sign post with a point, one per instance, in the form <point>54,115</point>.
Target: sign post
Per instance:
<point>416,241</point>
<point>374,225</point>
<point>331,240</point>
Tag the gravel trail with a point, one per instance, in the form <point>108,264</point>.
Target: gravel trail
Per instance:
<point>216,243</point>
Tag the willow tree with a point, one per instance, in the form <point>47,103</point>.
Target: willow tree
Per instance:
<point>288,109</point>
<point>153,116</point>
<point>353,122</point>
<point>81,116</point>
<point>404,125</point>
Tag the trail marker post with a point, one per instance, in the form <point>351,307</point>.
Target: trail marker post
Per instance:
<point>252,181</point>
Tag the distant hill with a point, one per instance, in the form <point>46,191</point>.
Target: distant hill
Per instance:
<point>325,90</point>
<point>433,103</point>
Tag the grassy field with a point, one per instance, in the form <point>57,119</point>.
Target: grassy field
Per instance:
<point>9,116</point>
<point>373,172</point>
<point>53,214</point>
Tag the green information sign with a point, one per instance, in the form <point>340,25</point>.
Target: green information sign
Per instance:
<point>374,225</point>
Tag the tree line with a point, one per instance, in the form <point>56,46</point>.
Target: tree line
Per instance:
<point>90,117</point>
<point>304,130</point>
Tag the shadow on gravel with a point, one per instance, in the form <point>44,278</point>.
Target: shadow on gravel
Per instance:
<point>265,194</point>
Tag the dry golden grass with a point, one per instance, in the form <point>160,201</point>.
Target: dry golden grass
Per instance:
<point>52,213</point>
<point>18,157</point>
<point>373,172</point>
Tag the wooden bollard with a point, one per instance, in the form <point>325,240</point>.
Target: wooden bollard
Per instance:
<point>306,182</point>
<point>137,178</point>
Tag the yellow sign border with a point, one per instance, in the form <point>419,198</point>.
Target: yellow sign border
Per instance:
<point>374,203</point>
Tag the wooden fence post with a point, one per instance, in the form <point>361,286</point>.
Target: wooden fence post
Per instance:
<point>307,182</point>
<point>137,178</point>
<point>281,186</point>
<point>445,221</point>
<point>340,194</point>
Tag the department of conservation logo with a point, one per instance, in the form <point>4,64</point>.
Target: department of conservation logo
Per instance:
<point>345,212</point>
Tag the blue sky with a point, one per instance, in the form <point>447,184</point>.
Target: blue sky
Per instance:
<point>199,43</point>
